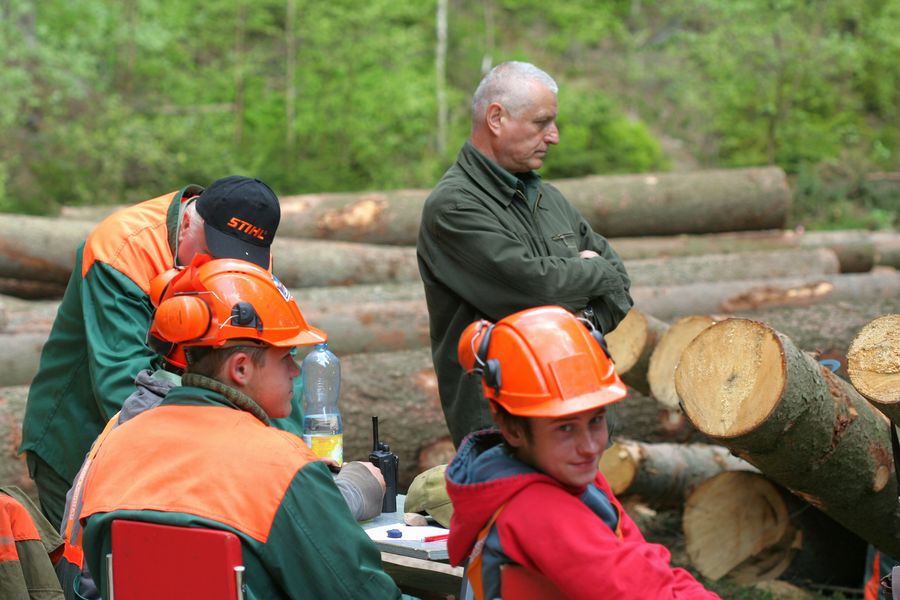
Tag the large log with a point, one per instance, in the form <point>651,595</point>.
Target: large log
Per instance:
<point>874,364</point>
<point>313,263</point>
<point>42,249</point>
<point>662,475</point>
<point>857,251</point>
<point>741,525</point>
<point>751,389</point>
<point>666,203</point>
<point>631,344</point>
<point>738,266</point>
<point>615,205</point>
<point>671,302</point>
<point>665,357</point>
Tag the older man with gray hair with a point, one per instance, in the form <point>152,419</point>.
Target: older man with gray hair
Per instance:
<point>495,239</point>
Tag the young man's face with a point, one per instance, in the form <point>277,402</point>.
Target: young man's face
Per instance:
<point>565,448</point>
<point>272,384</point>
<point>525,138</point>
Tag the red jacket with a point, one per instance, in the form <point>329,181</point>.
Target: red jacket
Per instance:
<point>582,540</point>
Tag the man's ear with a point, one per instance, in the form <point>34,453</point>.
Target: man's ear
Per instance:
<point>238,369</point>
<point>493,117</point>
<point>511,431</point>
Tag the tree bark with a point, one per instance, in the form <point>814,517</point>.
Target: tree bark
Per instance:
<point>730,267</point>
<point>742,525</point>
<point>352,327</point>
<point>312,263</point>
<point>874,364</point>
<point>43,249</point>
<point>662,475</point>
<point>621,205</point>
<point>857,251</point>
<point>749,388</point>
<point>631,343</point>
<point>40,248</point>
<point>665,357</point>
<point>671,302</point>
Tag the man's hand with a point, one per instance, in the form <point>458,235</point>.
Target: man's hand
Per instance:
<point>587,254</point>
<point>376,472</point>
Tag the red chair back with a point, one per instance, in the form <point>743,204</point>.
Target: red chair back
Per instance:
<point>151,561</point>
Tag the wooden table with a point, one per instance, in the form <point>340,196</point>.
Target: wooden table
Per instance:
<point>418,568</point>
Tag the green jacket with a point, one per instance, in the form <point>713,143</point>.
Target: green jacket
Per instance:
<point>27,543</point>
<point>484,251</point>
<point>98,341</point>
<point>199,460</point>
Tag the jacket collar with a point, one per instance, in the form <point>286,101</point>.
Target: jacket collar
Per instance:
<point>487,174</point>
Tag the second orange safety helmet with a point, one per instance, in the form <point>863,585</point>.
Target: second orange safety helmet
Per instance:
<point>213,302</point>
<point>540,362</point>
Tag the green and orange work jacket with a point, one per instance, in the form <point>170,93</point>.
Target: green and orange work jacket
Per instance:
<point>198,460</point>
<point>98,341</point>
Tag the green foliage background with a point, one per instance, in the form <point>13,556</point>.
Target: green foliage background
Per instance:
<point>111,101</point>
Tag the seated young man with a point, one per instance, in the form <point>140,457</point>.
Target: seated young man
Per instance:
<point>361,484</point>
<point>529,502</point>
<point>207,457</point>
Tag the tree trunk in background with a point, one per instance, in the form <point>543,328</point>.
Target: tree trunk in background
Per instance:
<point>661,370</point>
<point>742,525</point>
<point>290,74</point>
<point>749,388</point>
<point>675,301</point>
<point>727,267</point>
<point>857,251</point>
<point>440,74</point>
<point>630,345</point>
<point>651,204</point>
<point>239,59</point>
<point>874,364</point>
<point>662,475</point>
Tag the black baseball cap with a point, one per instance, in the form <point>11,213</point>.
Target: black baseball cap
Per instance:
<point>240,217</point>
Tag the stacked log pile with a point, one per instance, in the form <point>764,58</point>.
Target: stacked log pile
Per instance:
<point>701,249</point>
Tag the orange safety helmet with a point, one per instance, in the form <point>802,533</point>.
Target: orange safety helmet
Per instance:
<point>214,301</point>
<point>552,364</point>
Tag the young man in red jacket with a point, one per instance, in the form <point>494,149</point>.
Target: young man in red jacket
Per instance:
<point>531,510</point>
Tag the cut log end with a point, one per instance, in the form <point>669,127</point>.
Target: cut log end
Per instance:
<point>665,357</point>
<point>626,341</point>
<point>731,377</point>
<point>874,360</point>
<point>619,465</point>
<point>738,524</point>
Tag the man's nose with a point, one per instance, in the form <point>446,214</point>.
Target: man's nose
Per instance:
<point>587,443</point>
<point>552,135</point>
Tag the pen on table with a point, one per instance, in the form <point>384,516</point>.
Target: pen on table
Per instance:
<point>435,538</point>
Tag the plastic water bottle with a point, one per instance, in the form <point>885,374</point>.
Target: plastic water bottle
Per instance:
<point>323,428</point>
